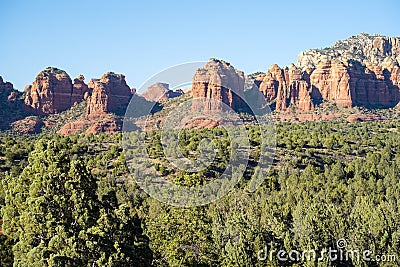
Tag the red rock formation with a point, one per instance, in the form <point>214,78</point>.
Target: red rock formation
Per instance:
<point>373,48</point>
<point>362,70</point>
<point>270,82</point>
<point>330,81</point>
<point>27,88</point>
<point>369,86</point>
<point>73,127</point>
<point>202,123</point>
<point>218,81</point>
<point>5,87</point>
<point>109,94</point>
<point>287,87</point>
<point>50,92</point>
<point>160,92</point>
<point>107,125</point>
<point>363,117</point>
<point>11,105</point>
<point>346,84</point>
<point>28,125</point>
<point>79,89</point>
<point>7,91</point>
<point>88,126</point>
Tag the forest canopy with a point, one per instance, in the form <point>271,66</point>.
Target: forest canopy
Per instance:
<point>71,201</point>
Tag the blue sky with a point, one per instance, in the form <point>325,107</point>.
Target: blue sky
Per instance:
<point>141,38</point>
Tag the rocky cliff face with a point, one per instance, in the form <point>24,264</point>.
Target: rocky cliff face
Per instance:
<point>345,84</point>
<point>110,93</point>
<point>286,87</point>
<point>160,92</point>
<point>219,81</point>
<point>11,105</point>
<point>50,92</point>
<point>53,92</point>
<point>360,71</point>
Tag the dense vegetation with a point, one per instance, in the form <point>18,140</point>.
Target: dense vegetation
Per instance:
<point>70,201</point>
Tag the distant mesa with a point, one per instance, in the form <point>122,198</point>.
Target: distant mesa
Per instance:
<point>160,92</point>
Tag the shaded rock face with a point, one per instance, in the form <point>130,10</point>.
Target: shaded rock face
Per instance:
<point>218,81</point>
<point>11,106</point>
<point>110,93</point>
<point>8,94</point>
<point>50,92</point>
<point>5,87</point>
<point>371,86</point>
<point>160,92</point>
<point>79,90</point>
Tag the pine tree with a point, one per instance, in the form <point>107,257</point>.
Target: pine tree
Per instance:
<point>53,214</point>
<point>49,209</point>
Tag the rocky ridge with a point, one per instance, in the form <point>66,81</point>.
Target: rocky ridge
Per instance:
<point>361,71</point>
<point>376,49</point>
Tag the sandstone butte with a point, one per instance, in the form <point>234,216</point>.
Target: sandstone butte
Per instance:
<point>110,94</point>
<point>50,93</point>
<point>219,81</point>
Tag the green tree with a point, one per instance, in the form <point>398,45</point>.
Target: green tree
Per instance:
<point>53,213</point>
